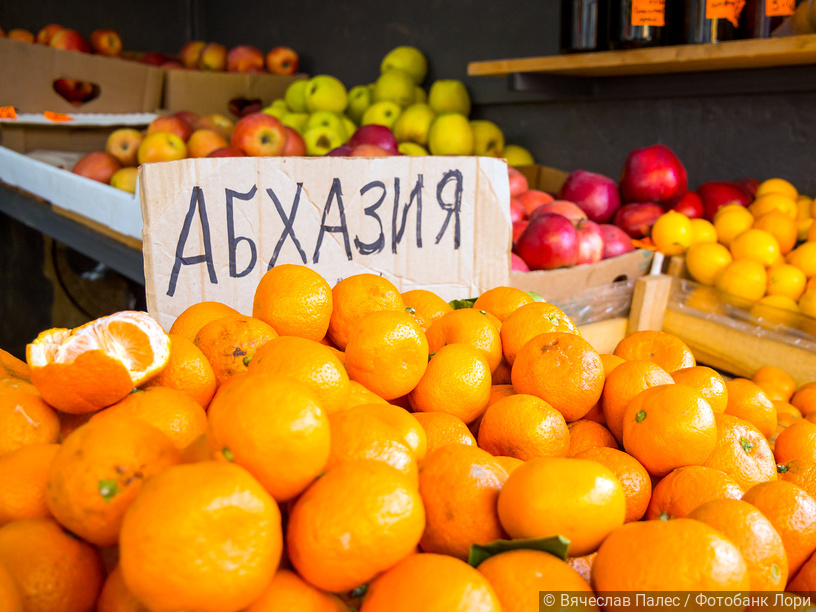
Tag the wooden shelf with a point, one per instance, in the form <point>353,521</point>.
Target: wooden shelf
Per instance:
<point>732,55</point>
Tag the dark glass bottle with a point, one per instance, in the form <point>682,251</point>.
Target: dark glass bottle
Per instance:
<point>761,17</point>
<point>637,23</point>
<point>710,21</point>
<point>583,25</point>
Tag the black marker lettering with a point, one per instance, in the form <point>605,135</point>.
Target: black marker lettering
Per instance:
<point>288,226</point>
<point>370,211</point>
<point>416,194</point>
<point>453,209</point>
<point>196,201</point>
<point>232,240</point>
<point>335,193</point>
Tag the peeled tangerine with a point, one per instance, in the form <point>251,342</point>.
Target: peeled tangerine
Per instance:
<point>96,365</point>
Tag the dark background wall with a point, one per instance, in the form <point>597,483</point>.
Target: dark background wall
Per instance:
<point>718,137</point>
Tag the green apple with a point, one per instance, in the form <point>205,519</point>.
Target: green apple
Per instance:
<point>395,85</point>
<point>488,139</point>
<point>350,126</point>
<point>296,121</point>
<point>382,113</point>
<point>295,96</point>
<point>328,119</point>
<point>517,156</point>
<point>414,124</point>
<point>276,110</point>
<point>359,101</point>
<point>320,140</point>
<point>412,149</point>
<point>409,59</point>
<point>450,134</point>
<point>324,92</point>
<point>449,96</point>
<point>420,95</point>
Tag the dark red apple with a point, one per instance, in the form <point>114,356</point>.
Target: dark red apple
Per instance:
<point>653,174</point>
<point>717,194</point>
<point>750,184</point>
<point>295,145</point>
<point>518,182</point>
<point>590,242</point>
<point>154,58</point>
<point>517,210</point>
<point>597,195</point>
<point>260,135</point>
<point>378,135</point>
<point>341,151</point>
<point>517,264</point>
<point>282,60</point>
<point>691,205</point>
<point>616,241</point>
<point>548,242</point>
<point>518,227</point>
<point>227,152</point>
<point>637,219</point>
<point>98,166</point>
<point>563,208</point>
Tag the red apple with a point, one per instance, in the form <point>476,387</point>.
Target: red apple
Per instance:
<point>341,151</point>
<point>173,65</point>
<point>70,40</point>
<point>590,242</point>
<point>106,42</point>
<point>191,119</point>
<point>217,123</point>
<point>213,57</point>
<point>563,208</point>
<point>227,152</point>
<point>750,184</point>
<point>97,166</point>
<point>282,60</point>
<point>154,58</point>
<point>637,219</point>
<point>691,205</point>
<point>21,35</point>
<point>533,198</point>
<point>518,182</point>
<point>517,264</point>
<point>45,35</point>
<point>368,150</point>
<point>191,52</point>
<point>259,134</point>
<point>171,123</point>
<point>203,142</point>
<point>653,174</point>
<point>123,144</point>
<point>76,92</point>
<point>517,210</point>
<point>595,194</point>
<point>549,241</point>
<point>295,145</point>
<point>717,194</point>
<point>616,241</point>
<point>378,135</point>
<point>518,228</point>
<point>244,58</point>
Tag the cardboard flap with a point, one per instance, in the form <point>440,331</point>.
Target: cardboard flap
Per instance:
<point>27,73</point>
<point>213,227</point>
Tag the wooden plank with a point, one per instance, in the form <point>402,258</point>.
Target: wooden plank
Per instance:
<point>605,335</point>
<point>737,352</point>
<point>649,301</point>
<point>731,55</point>
<point>129,241</point>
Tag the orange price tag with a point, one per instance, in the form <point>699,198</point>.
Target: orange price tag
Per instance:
<point>7,112</point>
<point>648,12</point>
<point>779,8</point>
<point>725,9</point>
<point>57,117</point>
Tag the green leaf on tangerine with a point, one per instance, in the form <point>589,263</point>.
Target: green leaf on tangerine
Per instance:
<point>459,304</point>
<point>746,445</point>
<point>536,297</point>
<point>228,455</point>
<point>640,416</point>
<point>556,545</point>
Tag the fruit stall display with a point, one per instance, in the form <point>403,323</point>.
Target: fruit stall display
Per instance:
<point>233,461</point>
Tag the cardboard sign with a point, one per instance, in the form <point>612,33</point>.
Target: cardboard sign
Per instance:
<point>648,12</point>
<point>213,227</point>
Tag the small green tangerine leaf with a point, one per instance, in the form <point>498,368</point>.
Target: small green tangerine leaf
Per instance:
<point>556,545</point>
<point>108,489</point>
<point>640,416</point>
<point>228,454</point>
<point>746,445</point>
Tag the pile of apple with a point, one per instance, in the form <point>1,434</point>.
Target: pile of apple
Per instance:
<point>434,122</point>
<point>201,55</point>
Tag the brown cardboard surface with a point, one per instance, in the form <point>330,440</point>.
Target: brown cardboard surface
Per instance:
<point>27,73</point>
<point>235,211</point>
<point>555,285</point>
<point>210,92</point>
<point>544,178</point>
<point>24,138</point>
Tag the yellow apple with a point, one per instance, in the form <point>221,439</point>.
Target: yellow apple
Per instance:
<point>449,96</point>
<point>125,179</point>
<point>450,134</point>
<point>409,59</point>
<point>488,139</point>
<point>412,149</point>
<point>414,124</point>
<point>517,156</point>
<point>395,85</point>
<point>382,113</point>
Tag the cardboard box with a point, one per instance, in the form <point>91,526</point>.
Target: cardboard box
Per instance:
<point>212,227</point>
<point>37,157</point>
<point>210,92</point>
<point>28,71</point>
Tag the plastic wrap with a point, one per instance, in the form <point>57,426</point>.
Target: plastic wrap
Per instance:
<point>599,303</point>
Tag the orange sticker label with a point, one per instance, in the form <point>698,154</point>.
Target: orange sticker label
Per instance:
<point>779,8</point>
<point>648,12</point>
<point>7,112</point>
<point>58,117</point>
<point>725,9</point>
